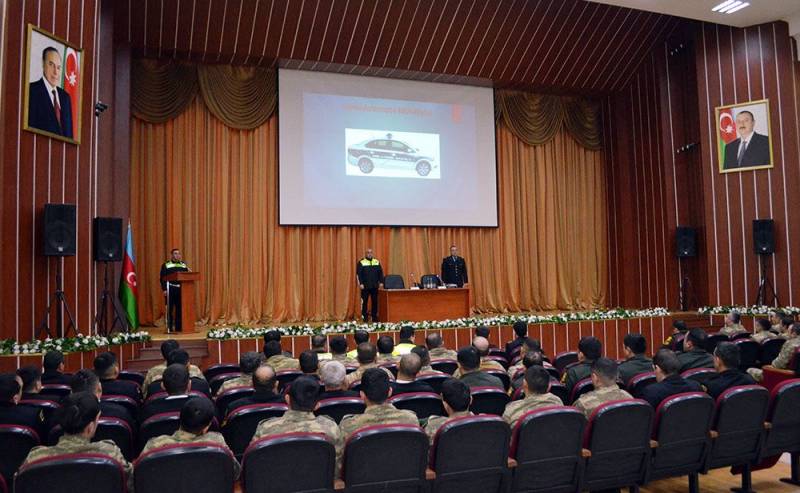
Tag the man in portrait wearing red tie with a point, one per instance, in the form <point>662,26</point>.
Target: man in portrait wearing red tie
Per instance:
<point>49,106</point>
<point>750,149</point>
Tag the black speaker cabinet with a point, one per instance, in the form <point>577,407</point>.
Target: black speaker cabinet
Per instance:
<point>59,230</point>
<point>107,239</point>
<point>764,236</point>
<point>685,242</point>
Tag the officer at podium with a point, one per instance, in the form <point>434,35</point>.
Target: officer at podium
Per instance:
<point>454,268</point>
<point>172,290</point>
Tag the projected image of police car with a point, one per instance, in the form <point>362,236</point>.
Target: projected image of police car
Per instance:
<point>389,153</point>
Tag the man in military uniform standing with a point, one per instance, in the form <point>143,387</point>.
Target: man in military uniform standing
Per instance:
<point>604,378</point>
<point>172,290</point>
<point>369,275</point>
<point>454,269</point>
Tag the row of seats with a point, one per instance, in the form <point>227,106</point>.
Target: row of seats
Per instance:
<point>623,444</point>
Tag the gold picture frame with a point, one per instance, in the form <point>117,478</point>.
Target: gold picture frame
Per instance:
<point>52,64</point>
<point>749,119</point>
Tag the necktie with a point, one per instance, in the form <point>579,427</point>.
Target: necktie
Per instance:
<point>57,107</point>
<point>742,148</point>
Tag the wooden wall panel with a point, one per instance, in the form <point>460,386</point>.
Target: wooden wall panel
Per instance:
<point>37,170</point>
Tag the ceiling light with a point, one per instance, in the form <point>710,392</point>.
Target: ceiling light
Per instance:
<point>723,5</point>
<point>738,7</point>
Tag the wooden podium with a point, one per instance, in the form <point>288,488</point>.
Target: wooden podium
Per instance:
<point>416,305</point>
<point>188,301</point>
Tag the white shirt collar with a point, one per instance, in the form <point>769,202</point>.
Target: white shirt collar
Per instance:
<point>50,91</point>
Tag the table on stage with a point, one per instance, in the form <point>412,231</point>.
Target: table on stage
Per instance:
<point>395,305</point>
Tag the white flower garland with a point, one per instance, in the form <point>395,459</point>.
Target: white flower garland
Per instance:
<point>78,343</point>
<point>753,311</point>
<point>241,332</point>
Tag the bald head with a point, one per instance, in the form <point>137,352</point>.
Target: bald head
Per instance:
<point>264,378</point>
<point>481,344</point>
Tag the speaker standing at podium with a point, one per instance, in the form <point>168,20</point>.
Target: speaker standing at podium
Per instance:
<point>454,269</point>
<point>172,290</point>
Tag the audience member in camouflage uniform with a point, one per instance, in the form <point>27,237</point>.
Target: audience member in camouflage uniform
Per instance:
<point>157,371</point>
<point>196,417</point>
<point>763,331</point>
<point>784,357</point>
<point>309,363</point>
<point>375,390</point>
<point>366,360</point>
<point>78,418</point>
<point>425,358</point>
<point>785,328</point>
<point>456,400</point>
<point>338,346</point>
<point>248,363</point>
<point>590,349</point>
<point>386,350</point>
<point>636,361</point>
<point>733,325</point>
<point>302,399</point>
<point>276,359</point>
<point>360,337</point>
<point>528,345</point>
<point>604,378</point>
<point>318,343</point>
<point>536,388</point>
<point>532,358</point>
<point>436,347</point>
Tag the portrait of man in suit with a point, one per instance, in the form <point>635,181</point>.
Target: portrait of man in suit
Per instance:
<point>744,131</point>
<point>49,106</point>
<point>53,79</point>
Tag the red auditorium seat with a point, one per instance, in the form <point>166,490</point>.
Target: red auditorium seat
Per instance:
<point>737,432</point>
<point>470,455</point>
<point>713,339</point>
<point>618,439</point>
<point>287,463</point>
<point>133,376</point>
<point>699,375</point>
<point>488,400</point>
<point>87,473</point>
<point>682,422</point>
<point>157,425</point>
<point>241,424</point>
<point>338,407</point>
<point>392,367</point>
<point>286,377</point>
<point>232,394</point>
<point>435,380</point>
<point>423,404</point>
<point>770,349</point>
<point>748,353</point>
<point>15,443</point>
<point>637,383</point>
<point>123,400</point>
<point>783,426</point>
<point>582,387</point>
<point>216,382</point>
<point>214,370</point>
<point>564,359</point>
<point>199,466</point>
<point>502,375</point>
<point>546,444</point>
<point>381,455</point>
<point>54,391</point>
<point>498,359</point>
<point>445,365</point>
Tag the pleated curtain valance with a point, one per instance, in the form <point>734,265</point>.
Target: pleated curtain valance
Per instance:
<point>536,118</point>
<point>245,97</point>
<point>241,97</point>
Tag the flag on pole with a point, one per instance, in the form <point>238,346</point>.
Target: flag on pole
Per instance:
<point>727,129</point>
<point>127,283</point>
<point>72,78</point>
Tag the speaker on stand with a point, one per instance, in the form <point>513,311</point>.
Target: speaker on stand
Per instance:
<point>59,241</point>
<point>685,247</point>
<point>764,246</point>
<point>107,238</point>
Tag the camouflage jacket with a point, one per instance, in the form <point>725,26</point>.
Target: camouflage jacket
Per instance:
<point>515,410</point>
<point>380,414</point>
<point>442,353</point>
<point>182,436</point>
<point>241,381</point>
<point>436,422</point>
<point>281,362</point>
<point>594,399</point>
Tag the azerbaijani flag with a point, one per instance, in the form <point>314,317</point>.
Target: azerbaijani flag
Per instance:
<point>727,130</point>
<point>127,282</point>
<point>72,79</point>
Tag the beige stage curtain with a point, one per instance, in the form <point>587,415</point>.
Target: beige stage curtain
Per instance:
<point>212,190</point>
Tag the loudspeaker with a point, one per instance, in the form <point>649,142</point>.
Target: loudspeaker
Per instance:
<point>107,239</point>
<point>59,230</point>
<point>685,242</point>
<point>764,236</point>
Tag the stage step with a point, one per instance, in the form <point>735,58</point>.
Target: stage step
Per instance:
<point>150,355</point>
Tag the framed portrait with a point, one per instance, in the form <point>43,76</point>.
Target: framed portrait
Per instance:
<point>744,137</point>
<point>53,86</point>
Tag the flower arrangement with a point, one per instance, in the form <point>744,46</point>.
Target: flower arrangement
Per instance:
<point>75,344</point>
<point>753,311</point>
<point>241,332</point>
